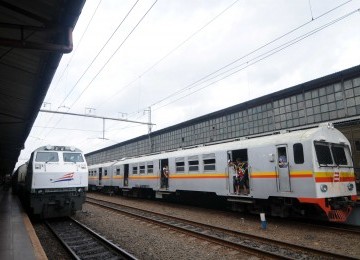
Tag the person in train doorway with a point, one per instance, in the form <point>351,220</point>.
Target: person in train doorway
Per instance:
<point>235,166</point>
<point>241,178</point>
<point>245,179</point>
<point>166,176</point>
<point>282,161</point>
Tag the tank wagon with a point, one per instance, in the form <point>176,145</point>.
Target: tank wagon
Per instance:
<point>316,179</point>
<point>53,182</point>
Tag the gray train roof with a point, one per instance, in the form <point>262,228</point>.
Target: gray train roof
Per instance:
<point>27,66</point>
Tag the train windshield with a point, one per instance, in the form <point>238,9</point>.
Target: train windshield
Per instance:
<point>73,157</point>
<point>331,154</point>
<point>46,157</point>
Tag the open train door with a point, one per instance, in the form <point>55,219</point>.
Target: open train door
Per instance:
<point>164,181</point>
<point>242,156</point>
<point>283,172</point>
<point>126,175</point>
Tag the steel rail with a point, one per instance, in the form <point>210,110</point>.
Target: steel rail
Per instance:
<point>89,240</point>
<point>235,240</point>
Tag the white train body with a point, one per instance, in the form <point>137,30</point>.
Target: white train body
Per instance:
<point>54,182</point>
<point>318,174</point>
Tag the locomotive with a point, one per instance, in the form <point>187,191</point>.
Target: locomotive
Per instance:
<point>53,182</point>
<point>316,179</point>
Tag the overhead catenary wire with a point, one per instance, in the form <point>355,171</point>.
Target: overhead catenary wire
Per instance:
<point>173,50</point>
<point>261,57</point>
<point>246,63</point>
<point>109,59</point>
<point>119,136</point>
<point>205,78</point>
<point>75,50</point>
<point>94,59</point>
<point>70,60</point>
<point>113,54</point>
<point>100,51</point>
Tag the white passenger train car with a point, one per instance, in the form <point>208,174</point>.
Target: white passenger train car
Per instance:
<point>317,177</point>
<point>54,181</point>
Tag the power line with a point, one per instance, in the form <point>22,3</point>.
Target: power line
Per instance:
<point>173,50</point>
<point>69,129</point>
<point>262,56</point>
<point>99,52</point>
<point>97,55</point>
<point>205,78</point>
<point>77,46</point>
<point>73,54</point>
<point>110,58</point>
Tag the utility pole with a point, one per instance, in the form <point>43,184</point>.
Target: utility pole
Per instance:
<point>149,128</point>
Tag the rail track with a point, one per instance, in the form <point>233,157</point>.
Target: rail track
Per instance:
<point>83,243</point>
<point>233,239</point>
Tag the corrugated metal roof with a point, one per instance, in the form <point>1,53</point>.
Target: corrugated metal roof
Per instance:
<point>33,36</point>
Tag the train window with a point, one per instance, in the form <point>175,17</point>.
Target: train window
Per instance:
<point>338,152</point>
<point>142,168</point>
<point>47,157</point>
<point>180,166</point>
<point>150,168</point>
<point>209,162</point>
<point>134,170</point>
<point>193,165</point>
<point>209,165</point>
<point>73,157</point>
<point>105,172</point>
<point>117,171</point>
<point>323,153</point>
<point>298,153</point>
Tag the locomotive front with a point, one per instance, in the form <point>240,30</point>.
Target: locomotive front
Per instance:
<point>56,181</point>
<point>333,174</point>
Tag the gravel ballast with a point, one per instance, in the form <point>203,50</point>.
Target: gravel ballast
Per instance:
<point>148,241</point>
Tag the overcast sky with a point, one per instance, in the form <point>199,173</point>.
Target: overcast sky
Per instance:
<point>187,58</point>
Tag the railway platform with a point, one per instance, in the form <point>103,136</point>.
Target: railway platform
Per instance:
<point>18,239</point>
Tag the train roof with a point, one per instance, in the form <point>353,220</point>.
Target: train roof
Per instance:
<point>57,148</point>
<point>325,132</point>
<point>106,164</point>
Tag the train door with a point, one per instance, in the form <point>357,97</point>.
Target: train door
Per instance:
<point>164,176</point>
<point>234,157</point>
<point>126,175</point>
<point>100,176</point>
<point>283,172</point>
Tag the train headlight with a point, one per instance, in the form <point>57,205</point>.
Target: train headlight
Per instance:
<point>40,191</point>
<point>323,187</point>
<point>79,190</point>
<point>350,186</point>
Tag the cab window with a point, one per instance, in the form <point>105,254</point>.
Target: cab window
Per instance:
<point>47,157</point>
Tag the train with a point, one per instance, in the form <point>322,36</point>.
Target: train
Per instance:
<point>53,183</point>
<point>316,180</point>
